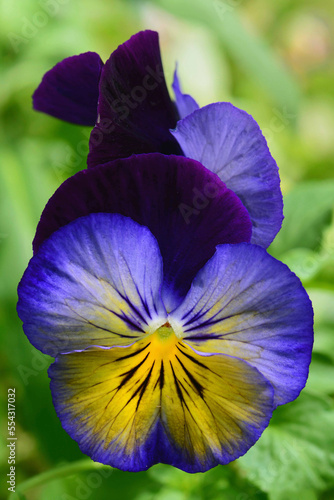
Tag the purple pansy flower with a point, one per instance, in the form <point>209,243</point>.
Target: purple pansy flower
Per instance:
<point>127,102</point>
<point>161,354</point>
<point>188,209</point>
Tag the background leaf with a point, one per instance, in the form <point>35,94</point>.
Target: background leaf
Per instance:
<point>308,212</point>
<point>294,447</point>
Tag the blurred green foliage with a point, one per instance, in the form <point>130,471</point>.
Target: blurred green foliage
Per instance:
<point>275,60</point>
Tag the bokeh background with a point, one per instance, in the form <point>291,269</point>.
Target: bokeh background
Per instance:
<point>273,59</point>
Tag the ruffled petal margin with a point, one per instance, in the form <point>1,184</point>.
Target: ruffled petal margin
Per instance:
<point>245,303</point>
<point>130,408</point>
<point>229,142</point>
<point>86,286</point>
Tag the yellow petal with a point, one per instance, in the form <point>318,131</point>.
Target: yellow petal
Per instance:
<point>159,400</point>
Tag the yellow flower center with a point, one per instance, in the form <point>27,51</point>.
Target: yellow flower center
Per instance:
<point>163,342</point>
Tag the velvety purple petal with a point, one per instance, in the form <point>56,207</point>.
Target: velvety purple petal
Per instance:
<point>70,90</point>
<point>185,103</point>
<point>135,111</point>
<point>186,207</point>
<point>246,304</point>
<point>229,142</point>
<point>87,286</point>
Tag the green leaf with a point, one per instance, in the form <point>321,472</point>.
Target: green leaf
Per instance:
<point>294,453</point>
<point>307,211</point>
<point>304,494</point>
<point>305,263</point>
<point>321,377</point>
<point>323,301</point>
<point>219,483</point>
<point>60,472</point>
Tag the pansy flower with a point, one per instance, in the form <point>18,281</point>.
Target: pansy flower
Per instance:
<point>188,209</point>
<point>127,101</point>
<point>161,354</point>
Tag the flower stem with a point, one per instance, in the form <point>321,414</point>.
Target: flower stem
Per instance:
<point>53,474</point>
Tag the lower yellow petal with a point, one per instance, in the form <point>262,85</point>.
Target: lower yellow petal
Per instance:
<point>160,401</point>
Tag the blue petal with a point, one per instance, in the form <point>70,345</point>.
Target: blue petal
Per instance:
<point>88,286</point>
<point>229,142</point>
<point>246,304</point>
<point>184,102</point>
<point>70,90</point>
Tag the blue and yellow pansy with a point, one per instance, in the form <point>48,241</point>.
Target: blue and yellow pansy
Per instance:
<point>175,334</point>
<point>147,371</point>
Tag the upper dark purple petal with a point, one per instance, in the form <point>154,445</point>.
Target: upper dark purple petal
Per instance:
<point>135,111</point>
<point>187,208</point>
<point>70,90</point>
